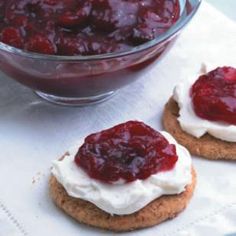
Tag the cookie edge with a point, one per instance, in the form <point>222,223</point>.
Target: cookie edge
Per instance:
<point>159,210</point>
<point>207,146</point>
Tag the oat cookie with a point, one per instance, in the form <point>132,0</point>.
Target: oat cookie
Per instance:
<point>207,146</point>
<point>159,210</point>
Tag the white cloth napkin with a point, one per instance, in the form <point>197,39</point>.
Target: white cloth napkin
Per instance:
<point>33,133</point>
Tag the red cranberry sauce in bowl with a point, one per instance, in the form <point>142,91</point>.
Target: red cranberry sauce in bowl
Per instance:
<point>76,52</point>
<point>128,151</point>
<point>78,27</point>
<point>214,95</point>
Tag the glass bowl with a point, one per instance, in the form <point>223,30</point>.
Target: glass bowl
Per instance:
<point>83,80</point>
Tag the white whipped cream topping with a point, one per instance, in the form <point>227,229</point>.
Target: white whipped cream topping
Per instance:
<point>123,199</point>
<point>195,125</point>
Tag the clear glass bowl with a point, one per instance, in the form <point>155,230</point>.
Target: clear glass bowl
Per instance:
<point>82,80</point>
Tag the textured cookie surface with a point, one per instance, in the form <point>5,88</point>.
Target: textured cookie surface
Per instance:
<point>161,209</point>
<point>207,146</point>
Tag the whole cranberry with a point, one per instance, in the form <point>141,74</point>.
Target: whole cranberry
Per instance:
<point>40,44</point>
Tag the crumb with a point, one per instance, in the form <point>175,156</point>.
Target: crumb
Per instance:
<point>37,177</point>
<point>203,69</point>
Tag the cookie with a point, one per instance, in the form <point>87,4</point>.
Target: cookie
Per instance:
<point>159,210</point>
<point>207,146</point>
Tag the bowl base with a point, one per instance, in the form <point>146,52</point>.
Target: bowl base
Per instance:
<point>75,101</point>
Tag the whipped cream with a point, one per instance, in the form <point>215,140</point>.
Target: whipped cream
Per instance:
<point>194,125</point>
<point>123,199</point>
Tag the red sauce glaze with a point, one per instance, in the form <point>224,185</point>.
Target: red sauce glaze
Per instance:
<point>128,151</point>
<point>78,27</point>
<point>214,95</point>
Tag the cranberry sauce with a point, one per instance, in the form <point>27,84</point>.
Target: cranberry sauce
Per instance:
<point>128,151</point>
<point>214,95</point>
<point>78,27</point>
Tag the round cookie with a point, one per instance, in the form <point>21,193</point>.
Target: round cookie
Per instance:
<point>207,146</point>
<point>159,210</point>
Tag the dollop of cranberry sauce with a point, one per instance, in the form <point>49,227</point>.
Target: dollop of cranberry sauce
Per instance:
<point>128,151</point>
<point>79,27</point>
<point>214,95</point>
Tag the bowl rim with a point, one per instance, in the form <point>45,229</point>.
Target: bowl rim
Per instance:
<point>175,28</point>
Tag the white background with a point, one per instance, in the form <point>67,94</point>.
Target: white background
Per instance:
<point>228,7</point>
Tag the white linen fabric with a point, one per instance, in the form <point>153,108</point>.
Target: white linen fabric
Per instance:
<point>33,133</point>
